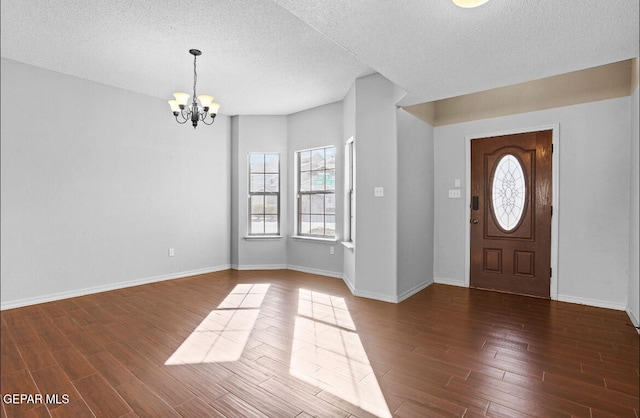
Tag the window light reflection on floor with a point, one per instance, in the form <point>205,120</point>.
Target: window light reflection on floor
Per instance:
<point>327,353</point>
<point>223,334</point>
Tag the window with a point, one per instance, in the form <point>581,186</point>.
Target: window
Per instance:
<point>264,193</point>
<point>350,190</point>
<point>316,192</point>
<point>508,192</point>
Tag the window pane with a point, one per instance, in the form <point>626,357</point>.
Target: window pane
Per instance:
<point>305,161</point>
<point>256,162</point>
<point>272,183</point>
<point>508,192</point>
<point>305,225</point>
<point>317,204</point>
<point>317,159</point>
<point>330,157</point>
<point>330,226</point>
<point>257,224</point>
<point>330,179</point>
<point>257,205</point>
<point>305,203</point>
<point>271,224</point>
<point>330,203</point>
<point>257,183</point>
<point>317,182</point>
<point>317,224</point>
<point>271,205</point>
<point>271,163</point>
<point>305,182</point>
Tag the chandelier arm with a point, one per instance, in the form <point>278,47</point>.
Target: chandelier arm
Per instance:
<point>184,114</point>
<point>180,122</point>
<point>210,123</point>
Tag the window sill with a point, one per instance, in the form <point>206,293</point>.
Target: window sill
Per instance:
<point>314,239</point>
<point>262,237</point>
<point>348,245</point>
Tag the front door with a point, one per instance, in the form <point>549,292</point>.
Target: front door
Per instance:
<point>511,213</point>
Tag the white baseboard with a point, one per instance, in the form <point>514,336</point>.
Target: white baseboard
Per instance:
<point>450,282</point>
<point>376,296</point>
<point>315,271</point>
<point>634,319</point>
<point>387,298</point>
<point>105,288</point>
<point>592,302</point>
<point>368,295</point>
<point>349,283</point>
<point>407,294</point>
<point>259,266</point>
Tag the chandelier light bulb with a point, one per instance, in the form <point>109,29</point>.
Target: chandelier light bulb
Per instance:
<point>175,107</point>
<point>181,98</point>
<point>205,100</point>
<point>468,4</point>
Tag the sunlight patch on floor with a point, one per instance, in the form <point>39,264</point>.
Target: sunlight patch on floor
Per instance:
<point>327,352</point>
<point>223,334</point>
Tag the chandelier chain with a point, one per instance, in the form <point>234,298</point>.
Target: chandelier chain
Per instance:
<point>195,77</point>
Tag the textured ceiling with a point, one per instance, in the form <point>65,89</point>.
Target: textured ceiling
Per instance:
<point>283,56</point>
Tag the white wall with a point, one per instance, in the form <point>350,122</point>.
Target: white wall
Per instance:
<point>317,127</point>
<point>415,204</point>
<point>594,198</point>
<point>376,166</point>
<point>257,134</point>
<point>633,303</point>
<point>98,183</point>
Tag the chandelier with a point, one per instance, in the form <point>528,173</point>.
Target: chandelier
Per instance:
<point>195,112</point>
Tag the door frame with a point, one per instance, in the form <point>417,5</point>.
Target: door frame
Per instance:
<point>555,193</point>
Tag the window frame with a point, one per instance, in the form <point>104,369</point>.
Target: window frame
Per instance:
<point>300,193</point>
<point>350,191</point>
<point>264,193</point>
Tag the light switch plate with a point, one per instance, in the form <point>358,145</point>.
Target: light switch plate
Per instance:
<point>456,183</point>
<point>454,194</point>
<point>378,191</point>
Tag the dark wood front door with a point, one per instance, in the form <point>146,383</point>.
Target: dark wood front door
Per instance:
<point>511,213</point>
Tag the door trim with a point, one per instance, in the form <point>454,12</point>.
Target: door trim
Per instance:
<point>555,181</point>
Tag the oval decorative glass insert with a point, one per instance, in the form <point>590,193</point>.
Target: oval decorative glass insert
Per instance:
<point>508,192</point>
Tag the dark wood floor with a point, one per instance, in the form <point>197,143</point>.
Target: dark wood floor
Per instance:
<point>289,344</point>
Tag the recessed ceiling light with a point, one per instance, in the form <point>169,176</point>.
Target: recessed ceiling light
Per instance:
<point>467,4</point>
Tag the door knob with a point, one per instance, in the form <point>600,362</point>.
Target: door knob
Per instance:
<point>475,221</point>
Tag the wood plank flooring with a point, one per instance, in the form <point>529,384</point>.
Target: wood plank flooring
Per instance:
<point>290,344</point>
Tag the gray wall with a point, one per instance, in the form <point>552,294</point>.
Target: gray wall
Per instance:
<point>317,127</point>
<point>633,304</point>
<point>257,134</point>
<point>98,183</point>
<point>415,204</point>
<point>594,198</point>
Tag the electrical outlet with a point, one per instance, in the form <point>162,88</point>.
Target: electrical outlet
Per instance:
<point>171,252</point>
<point>454,194</point>
<point>332,250</point>
<point>378,191</point>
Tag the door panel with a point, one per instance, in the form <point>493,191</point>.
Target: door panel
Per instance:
<point>511,221</point>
